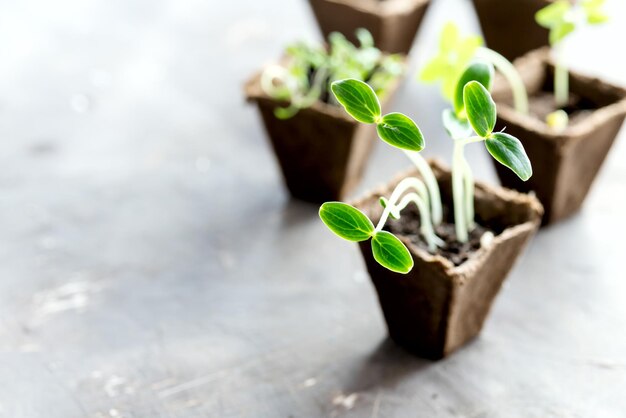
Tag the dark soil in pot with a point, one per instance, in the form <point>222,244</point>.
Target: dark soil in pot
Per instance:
<point>566,163</point>
<point>439,305</point>
<point>392,23</point>
<point>509,26</point>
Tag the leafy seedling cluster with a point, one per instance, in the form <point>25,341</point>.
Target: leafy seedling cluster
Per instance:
<point>455,53</point>
<point>472,119</point>
<point>310,69</point>
<point>562,18</point>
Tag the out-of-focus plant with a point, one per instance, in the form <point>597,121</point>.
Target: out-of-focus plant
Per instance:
<point>308,71</point>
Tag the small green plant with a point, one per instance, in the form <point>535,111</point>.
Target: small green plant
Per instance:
<point>456,53</point>
<point>310,69</point>
<point>472,119</point>
<point>562,18</point>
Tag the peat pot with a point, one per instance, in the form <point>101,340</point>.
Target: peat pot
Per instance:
<point>439,306</point>
<point>393,23</point>
<point>509,26</point>
<point>565,163</point>
<point>322,151</point>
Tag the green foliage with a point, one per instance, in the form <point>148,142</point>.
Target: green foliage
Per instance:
<point>358,98</point>
<point>478,71</point>
<point>480,108</point>
<point>455,53</point>
<point>561,17</point>
<point>456,128</point>
<point>309,70</point>
<point>391,253</point>
<point>401,132</point>
<point>509,151</point>
<point>346,221</point>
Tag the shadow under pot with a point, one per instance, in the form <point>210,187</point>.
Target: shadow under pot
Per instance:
<point>565,163</point>
<point>321,150</point>
<point>392,23</point>
<point>443,302</point>
<point>509,26</point>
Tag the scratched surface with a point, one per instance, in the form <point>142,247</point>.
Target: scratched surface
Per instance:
<point>151,264</point>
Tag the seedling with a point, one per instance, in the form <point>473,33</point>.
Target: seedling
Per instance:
<point>310,69</point>
<point>562,18</point>
<point>456,53</point>
<point>472,119</point>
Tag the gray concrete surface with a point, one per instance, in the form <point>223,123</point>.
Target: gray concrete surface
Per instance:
<point>151,264</point>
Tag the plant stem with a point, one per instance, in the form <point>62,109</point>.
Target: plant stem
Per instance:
<point>561,82</point>
<point>468,179</point>
<point>426,227</point>
<point>431,183</point>
<point>458,170</point>
<point>520,95</point>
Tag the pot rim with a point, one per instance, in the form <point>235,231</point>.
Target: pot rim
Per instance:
<point>460,273</point>
<point>600,116</point>
<point>380,8</point>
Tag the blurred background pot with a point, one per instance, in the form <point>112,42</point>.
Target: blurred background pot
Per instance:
<point>509,26</point>
<point>565,163</point>
<point>393,23</point>
<point>438,306</point>
<point>322,151</point>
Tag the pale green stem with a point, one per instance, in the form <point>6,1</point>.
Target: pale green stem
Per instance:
<point>458,192</point>
<point>426,227</point>
<point>468,179</point>
<point>520,95</point>
<point>431,183</point>
<point>401,188</point>
<point>561,82</point>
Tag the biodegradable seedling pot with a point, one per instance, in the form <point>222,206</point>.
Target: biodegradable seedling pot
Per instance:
<point>321,150</point>
<point>393,23</point>
<point>509,26</point>
<point>438,307</point>
<point>565,164</point>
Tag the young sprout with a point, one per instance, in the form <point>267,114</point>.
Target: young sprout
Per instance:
<point>561,18</point>
<point>474,112</point>
<point>309,71</point>
<point>457,52</point>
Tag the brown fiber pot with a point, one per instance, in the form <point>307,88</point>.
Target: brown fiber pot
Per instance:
<point>564,164</point>
<point>438,307</point>
<point>393,23</point>
<point>509,26</point>
<point>322,151</point>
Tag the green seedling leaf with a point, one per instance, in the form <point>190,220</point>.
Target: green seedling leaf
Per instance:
<point>510,152</point>
<point>593,11</point>
<point>391,253</point>
<point>393,212</point>
<point>365,38</point>
<point>401,132</point>
<point>480,108</point>
<point>553,14</point>
<point>560,31</point>
<point>479,71</point>
<point>456,128</point>
<point>346,221</point>
<point>455,53</point>
<point>358,99</point>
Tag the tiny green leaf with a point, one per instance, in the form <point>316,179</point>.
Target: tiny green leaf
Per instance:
<point>510,152</point>
<point>358,99</point>
<point>456,128</point>
<point>479,71</point>
<point>400,131</point>
<point>560,31</point>
<point>346,221</point>
<point>553,14</point>
<point>393,212</point>
<point>391,253</point>
<point>480,108</point>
